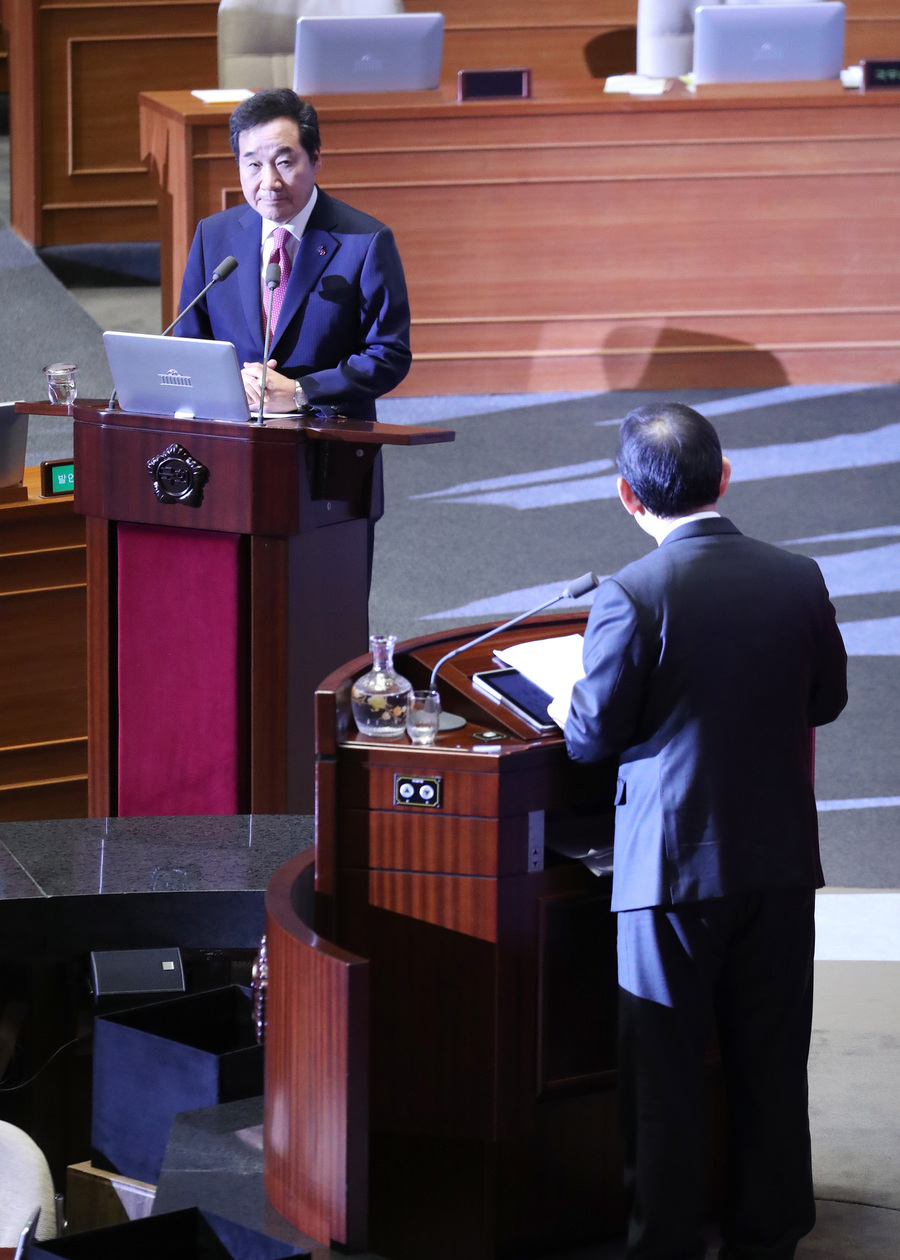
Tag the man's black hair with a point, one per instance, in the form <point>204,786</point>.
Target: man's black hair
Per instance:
<point>671,457</point>
<point>274,103</point>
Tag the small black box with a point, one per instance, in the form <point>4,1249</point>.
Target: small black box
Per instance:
<point>154,1061</point>
<point>190,1234</point>
<point>117,971</point>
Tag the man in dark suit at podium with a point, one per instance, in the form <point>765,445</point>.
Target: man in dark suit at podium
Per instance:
<point>706,664</point>
<point>341,336</point>
<point>341,315</point>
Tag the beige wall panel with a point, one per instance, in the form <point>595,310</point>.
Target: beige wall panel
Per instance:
<point>710,369</point>
<point>76,71</point>
<point>872,36</point>
<point>530,12</point>
<point>141,59</point>
<point>629,334</point>
<point>80,223</point>
<point>551,53</point>
<point>606,125</point>
<point>596,161</point>
<point>644,245</point>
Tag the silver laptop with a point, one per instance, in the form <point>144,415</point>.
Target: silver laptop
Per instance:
<point>13,440</point>
<point>395,52</point>
<point>177,376</point>
<point>751,43</point>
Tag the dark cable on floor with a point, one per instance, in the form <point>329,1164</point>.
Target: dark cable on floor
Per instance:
<point>11,1089</point>
<point>881,1207</point>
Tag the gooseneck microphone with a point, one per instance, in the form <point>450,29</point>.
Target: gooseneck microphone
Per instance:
<point>574,591</point>
<point>222,272</point>
<point>273,280</point>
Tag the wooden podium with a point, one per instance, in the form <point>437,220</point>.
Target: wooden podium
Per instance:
<point>227,575</point>
<point>443,1003</point>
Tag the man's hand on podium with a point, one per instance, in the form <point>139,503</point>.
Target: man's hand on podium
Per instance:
<point>279,389</point>
<point>558,708</point>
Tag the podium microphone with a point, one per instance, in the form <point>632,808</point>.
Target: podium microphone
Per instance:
<point>222,272</point>
<point>575,589</point>
<point>273,280</point>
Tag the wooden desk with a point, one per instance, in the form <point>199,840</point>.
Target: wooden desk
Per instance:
<point>442,986</point>
<point>747,236</point>
<point>214,608</point>
<point>473,1054</point>
<point>43,658</point>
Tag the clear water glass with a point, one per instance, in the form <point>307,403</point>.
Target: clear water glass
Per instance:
<point>61,386</point>
<point>423,716</point>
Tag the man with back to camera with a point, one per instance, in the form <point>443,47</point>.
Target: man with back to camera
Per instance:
<point>341,337</point>
<point>706,664</point>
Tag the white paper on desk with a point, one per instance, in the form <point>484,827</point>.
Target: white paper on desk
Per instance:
<point>635,84</point>
<point>555,665</point>
<point>221,96</point>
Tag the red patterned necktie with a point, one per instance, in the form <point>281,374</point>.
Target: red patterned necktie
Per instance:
<point>279,255</point>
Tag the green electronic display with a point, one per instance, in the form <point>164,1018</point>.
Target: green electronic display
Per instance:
<point>880,74</point>
<point>57,477</point>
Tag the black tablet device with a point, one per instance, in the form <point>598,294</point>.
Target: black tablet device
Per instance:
<point>518,693</point>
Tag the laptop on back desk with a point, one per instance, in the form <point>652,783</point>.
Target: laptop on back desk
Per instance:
<point>396,52</point>
<point>752,43</point>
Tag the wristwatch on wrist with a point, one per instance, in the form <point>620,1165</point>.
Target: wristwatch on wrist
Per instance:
<point>301,402</point>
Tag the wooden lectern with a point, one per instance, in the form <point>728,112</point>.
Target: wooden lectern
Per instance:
<point>227,575</point>
<point>444,1002</point>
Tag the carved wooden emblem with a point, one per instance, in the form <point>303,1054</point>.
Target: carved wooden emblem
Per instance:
<point>177,476</point>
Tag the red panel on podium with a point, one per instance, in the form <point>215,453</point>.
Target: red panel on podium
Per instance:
<point>181,670</point>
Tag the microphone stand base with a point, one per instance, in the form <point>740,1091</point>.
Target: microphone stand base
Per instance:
<point>451,722</point>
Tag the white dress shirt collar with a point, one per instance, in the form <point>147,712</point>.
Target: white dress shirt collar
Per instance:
<point>296,226</point>
<point>666,527</point>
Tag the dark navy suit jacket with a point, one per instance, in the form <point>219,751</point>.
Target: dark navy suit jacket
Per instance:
<point>706,663</point>
<point>344,326</point>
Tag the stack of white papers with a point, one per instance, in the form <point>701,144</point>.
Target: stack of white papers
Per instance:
<point>221,96</point>
<point>554,665</point>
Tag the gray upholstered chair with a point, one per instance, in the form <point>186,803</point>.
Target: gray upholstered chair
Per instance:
<point>26,1184</point>
<point>256,37</point>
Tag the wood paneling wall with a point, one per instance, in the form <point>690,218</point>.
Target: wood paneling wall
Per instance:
<point>43,658</point>
<point>75,72</point>
<point>76,69</point>
<point>747,236</point>
<point>571,39</point>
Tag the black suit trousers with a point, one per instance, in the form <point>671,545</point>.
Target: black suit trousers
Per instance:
<point>743,964</point>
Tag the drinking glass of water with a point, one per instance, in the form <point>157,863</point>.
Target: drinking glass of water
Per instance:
<point>423,716</point>
<point>61,387</point>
